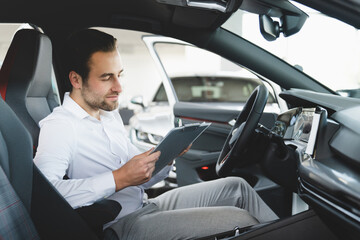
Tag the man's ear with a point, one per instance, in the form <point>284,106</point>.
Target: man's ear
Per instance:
<point>75,79</point>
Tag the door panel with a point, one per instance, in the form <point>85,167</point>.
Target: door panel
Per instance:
<point>195,112</point>
<point>199,163</point>
<point>206,149</point>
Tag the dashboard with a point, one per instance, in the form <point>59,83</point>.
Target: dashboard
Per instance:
<point>324,131</point>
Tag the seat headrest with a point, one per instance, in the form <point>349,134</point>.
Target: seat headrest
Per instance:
<point>26,70</point>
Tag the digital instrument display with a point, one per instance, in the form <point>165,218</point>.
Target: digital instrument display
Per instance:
<point>303,125</point>
<point>297,124</point>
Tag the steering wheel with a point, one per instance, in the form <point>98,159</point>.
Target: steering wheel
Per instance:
<point>237,142</point>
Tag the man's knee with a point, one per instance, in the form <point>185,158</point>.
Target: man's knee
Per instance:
<point>238,186</point>
<point>242,217</point>
<point>236,182</point>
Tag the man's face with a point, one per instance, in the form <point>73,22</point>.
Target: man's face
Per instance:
<point>102,88</point>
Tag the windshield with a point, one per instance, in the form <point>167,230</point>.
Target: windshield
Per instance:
<point>325,48</point>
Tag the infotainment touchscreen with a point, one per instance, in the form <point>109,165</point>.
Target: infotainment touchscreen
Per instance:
<point>303,125</point>
<point>300,124</point>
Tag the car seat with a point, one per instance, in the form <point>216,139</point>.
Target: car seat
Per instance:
<point>17,224</point>
<point>52,216</point>
<point>25,79</point>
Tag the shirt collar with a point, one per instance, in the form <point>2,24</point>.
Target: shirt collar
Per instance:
<point>72,106</point>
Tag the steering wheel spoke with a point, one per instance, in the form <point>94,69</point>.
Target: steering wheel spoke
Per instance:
<point>235,134</point>
<point>241,133</point>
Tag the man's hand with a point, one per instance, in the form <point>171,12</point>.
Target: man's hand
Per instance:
<point>137,170</point>
<point>182,153</point>
<point>185,150</point>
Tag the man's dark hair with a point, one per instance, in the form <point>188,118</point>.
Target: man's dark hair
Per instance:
<point>81,45</point>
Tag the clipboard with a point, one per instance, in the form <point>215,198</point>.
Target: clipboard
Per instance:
<point>176,141</point>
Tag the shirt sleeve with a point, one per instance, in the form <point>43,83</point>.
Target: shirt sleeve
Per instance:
<point>57,142</point>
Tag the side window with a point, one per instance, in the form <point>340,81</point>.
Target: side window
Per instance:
<point>7,32</point>
<point>213,88</point>
<point>160,95</point>
<point>201,76</point>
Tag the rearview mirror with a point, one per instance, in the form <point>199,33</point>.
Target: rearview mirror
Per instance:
<point>291,18</point>
<point>269,29</point>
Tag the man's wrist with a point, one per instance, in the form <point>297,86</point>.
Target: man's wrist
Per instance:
<point>119,182</point>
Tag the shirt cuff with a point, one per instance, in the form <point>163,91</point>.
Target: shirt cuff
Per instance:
<point>104,184</point>
<point>163,173</point>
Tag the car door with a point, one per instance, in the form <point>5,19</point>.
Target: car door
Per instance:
<point>203,87</point>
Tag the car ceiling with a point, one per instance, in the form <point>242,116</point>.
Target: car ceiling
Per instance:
<point>149,15</point>
<point>345,10</point>
<point>142,15</point>
<point>197,26</point>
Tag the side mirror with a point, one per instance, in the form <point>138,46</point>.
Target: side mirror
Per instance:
<point>354,93</point>
<point>138,100</point>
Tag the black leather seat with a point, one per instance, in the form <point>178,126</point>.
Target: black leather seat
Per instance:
<point>25,85</point>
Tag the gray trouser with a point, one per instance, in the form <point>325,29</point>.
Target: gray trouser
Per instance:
<point>196,211</point>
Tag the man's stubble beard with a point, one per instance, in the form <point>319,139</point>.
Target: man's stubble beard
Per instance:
<point>97,103</point>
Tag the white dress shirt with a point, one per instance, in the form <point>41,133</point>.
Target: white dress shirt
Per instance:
<point>74,143</point>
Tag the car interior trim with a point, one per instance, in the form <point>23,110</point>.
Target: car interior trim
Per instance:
<point>202,120</point>
<point>339,184</point>
<point>328,202</point>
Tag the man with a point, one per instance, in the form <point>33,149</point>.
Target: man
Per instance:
<point>86,140</point>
